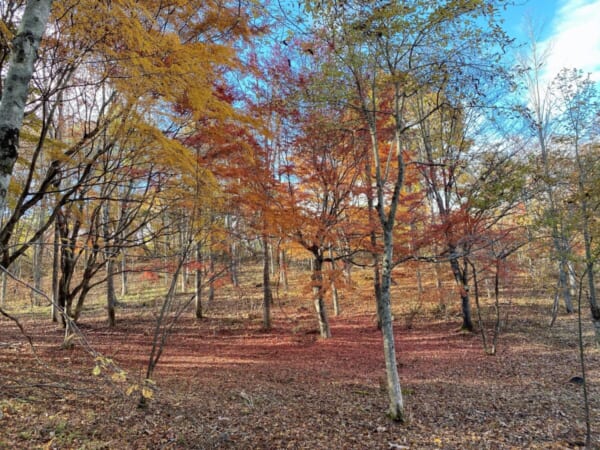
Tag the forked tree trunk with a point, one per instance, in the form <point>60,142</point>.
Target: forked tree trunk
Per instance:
<point>317,279</point>
<point>462,280</point>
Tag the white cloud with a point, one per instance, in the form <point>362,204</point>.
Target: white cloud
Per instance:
<point>575,38</point>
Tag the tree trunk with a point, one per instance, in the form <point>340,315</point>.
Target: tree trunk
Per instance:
<point>461,277</point>
<point>283,275</point>
<point>348,272</point>
<point>184,272</point>
<point>589,265</point>
<point>233,265</point>
<point>211,278</point>
<point>198,282</point>
<point>384,308</point>
<point>67,269</point>
<point>267,294</point>
<point>38,253</point>
<point>16,85</point>
<point>439,288</point>
<point>124,289</point>
<point>272,262</point>
<point>3,289</point>
<point>563,282</point>
<point>374,257</point>
<point>317,279</point>
<point>80,301</point>
<point>334,292</point>
<point>55,274</point>
<point>38,259</point>
<point>111,296</point>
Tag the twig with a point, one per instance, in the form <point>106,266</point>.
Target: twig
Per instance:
<point>16,321</point>
<point>70,324</point>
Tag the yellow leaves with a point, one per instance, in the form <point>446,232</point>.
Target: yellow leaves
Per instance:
<point>107,364</point>
<point>151,52</point>
<point>146,389</point>
<point>49,445</point>
<point>131,389</point>
<point>5,33</point>
<point>118,375</point>
<point>147,393</point>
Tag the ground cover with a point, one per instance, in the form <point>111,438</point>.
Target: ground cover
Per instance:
<point>223,382</point>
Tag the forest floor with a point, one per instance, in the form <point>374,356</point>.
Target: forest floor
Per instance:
<point>223,382</point>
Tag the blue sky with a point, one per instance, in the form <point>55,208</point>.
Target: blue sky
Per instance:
<point>570,28</point>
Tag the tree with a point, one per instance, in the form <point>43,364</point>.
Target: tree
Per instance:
<point>579,109</point>
<point>386,54</point>
<point>442,161</point>
<point>539,115</point>
<point>327,163</point>
<point>16,84</point>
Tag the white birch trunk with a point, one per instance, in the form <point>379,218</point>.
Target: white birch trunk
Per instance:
<point>16,84</point>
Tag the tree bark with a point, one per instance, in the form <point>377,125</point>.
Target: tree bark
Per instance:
<point>267,294</point>
<point>563,272</point>
<point>124,288</point>
<point>334,292</point>
<point>384,309</point>
<point>317,279</point>
<point>111,296</point>
<point>198,282</point>
<point>211,278</point>
<point>3,289</point>
<point>38,258</point>
<point>461,277</point>
<point>55,273</point>
<point>16,86</point>
<point>283,277</point>
<point>233,265</point>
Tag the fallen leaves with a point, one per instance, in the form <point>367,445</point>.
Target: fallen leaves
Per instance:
<point>250,389</point>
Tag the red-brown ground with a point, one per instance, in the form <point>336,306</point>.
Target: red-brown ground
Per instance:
<point>222,382</point>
